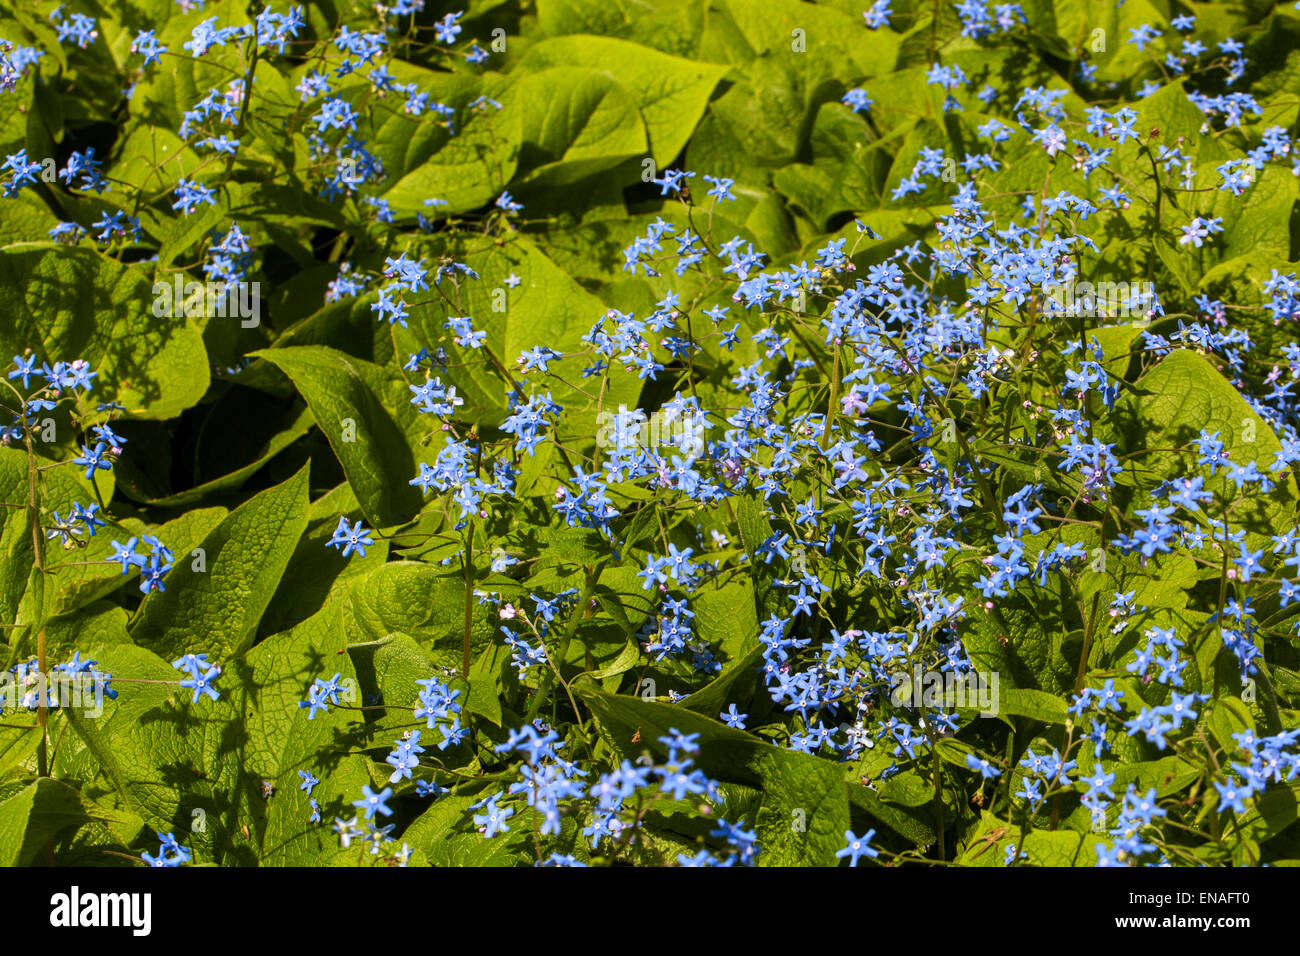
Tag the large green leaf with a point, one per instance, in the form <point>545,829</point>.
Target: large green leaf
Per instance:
<point>407,143</point>
<point>79,571</point>
<point>992,839</point>
<point>446,833</point>
<point>575,122</point>
<point>1170,406</point>
<point>805,808</point>
<point>217,609</point>
<point>347,396</point>
<point>35,814</point>
<point>670,92</point>
<point>164,93</point>
<point>281,740</point>
<point>223,751</point>
<point>469,170</point>
<point>75,303</point>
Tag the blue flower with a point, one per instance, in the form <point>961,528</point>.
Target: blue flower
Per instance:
<point>349,538</point>
<point>857,846</point>
<point>372,803</point>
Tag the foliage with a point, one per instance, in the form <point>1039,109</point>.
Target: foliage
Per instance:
<point>715,432</point>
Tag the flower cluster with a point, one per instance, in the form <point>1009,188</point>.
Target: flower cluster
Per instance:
<point>954,462</point>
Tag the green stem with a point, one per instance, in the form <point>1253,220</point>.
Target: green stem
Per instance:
<point>548,678</point>
<point>469,599</point>
<point>834,399</point>
<point>38,555</point>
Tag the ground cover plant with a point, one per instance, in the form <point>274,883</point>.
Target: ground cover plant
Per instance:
<point>679,432</point>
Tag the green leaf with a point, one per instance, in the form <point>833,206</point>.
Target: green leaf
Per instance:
<point>16,556</point>
<point>1037,704</point>
<point>1166,776</point>
<point>173,758</point>
<point>804,813</point>
<point>243,561</point>
<point>579,16</point>
<point>992,838</point>
<point>347,397</point>
<point>98,626</point>
<point>487,683</point>
<point>1229,716</point>
<point>145,744</point>
<point>280,738</point>
<point>1173,402</point>
<point>17,750</point>
<point>576,122</point>
<point>34,815</point>
<point>410,597</point>
<point>727,620</point>
<point>627,658</point>
<point>446,833</point>
<point>735,684</point>
<point>579,545</point>
<point>182,234</point>
<point>163,95</point>
<point>76,578</point>
<point>670,92</point>
<point>753,524</point>
<point>1177,264</point>
<point>318,575</point>
<point>908,822</point>
<point>89,731</point>
<point>467,171</point>
<point>1272,812</point>
<point>389,669</point>
<point>542,307</point>
<point>407,144</point>
<point>75,303</point>
<point>26,219</point>
<point>790,781</point>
